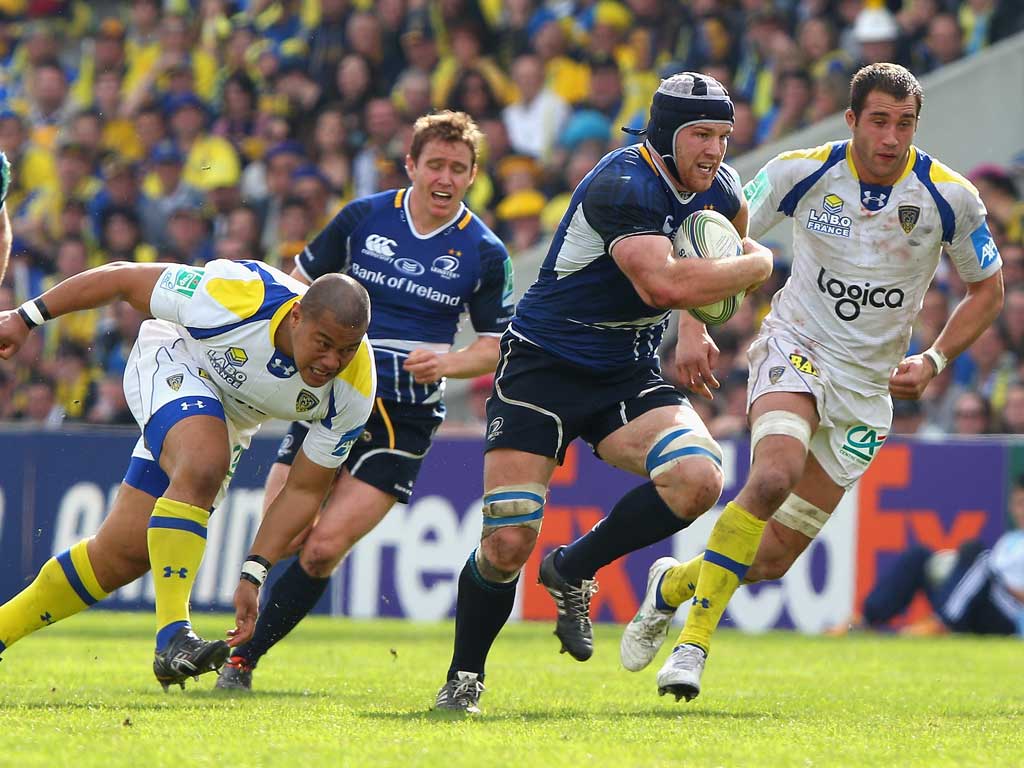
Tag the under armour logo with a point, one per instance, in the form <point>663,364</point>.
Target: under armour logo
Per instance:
<point>702,602</point>
<point>182,572</point>
<point>874,200</point>
<point>277,362</point>
<point>197,404</point>
<point>46,618</point>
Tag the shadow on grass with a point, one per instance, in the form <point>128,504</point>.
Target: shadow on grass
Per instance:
<point>547,715</point>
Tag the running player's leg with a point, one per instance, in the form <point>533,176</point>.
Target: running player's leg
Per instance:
<point>87,572</point>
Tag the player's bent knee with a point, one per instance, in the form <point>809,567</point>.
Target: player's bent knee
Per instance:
<point>501,557</point>
<point>801,516</point>
<point>203,479</point>
<point>319,557</point>
<point>513,506</point>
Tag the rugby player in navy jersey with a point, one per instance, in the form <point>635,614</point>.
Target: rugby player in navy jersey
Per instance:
<point>424,258</point>
<point>578,360</point>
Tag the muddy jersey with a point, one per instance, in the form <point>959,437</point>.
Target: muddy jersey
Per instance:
<point>226,314</point>
<point>583,308</point>
<point>863,254</point>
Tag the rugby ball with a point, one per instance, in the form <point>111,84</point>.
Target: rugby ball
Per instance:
<point>709,235</point>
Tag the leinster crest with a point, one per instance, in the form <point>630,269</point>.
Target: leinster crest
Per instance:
<point>175,381</point>
<point>909,214</point>
<point>775,373</point>
<point>306,401</point>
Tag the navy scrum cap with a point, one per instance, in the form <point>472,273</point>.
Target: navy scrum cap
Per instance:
<point>681,100</point>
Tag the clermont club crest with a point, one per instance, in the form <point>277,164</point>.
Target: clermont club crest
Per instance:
<point>909,214</point>
<point>306,401</point>
<point>175,381</point>
<point>775,373</point>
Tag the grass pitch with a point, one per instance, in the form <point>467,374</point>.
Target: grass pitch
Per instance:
<point>357,693</point>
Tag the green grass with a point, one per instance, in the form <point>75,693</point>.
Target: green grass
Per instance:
<point>348,693</point>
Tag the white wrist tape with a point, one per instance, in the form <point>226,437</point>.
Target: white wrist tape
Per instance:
<point>256,570</point>
<point>938,359</point>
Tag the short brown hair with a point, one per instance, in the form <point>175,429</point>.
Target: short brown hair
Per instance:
<point>891,79</point>
<point>445,126</point>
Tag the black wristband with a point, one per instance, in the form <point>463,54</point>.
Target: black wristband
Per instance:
<point>42,309</point>
<point>261,560</point>
<point>250,578</point>
<point>28,320</point>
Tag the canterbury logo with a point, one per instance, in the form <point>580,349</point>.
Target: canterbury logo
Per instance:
<point>381,246</point>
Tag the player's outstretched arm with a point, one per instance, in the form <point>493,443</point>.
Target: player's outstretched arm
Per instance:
<point>6,239</point>
<point>119,280</point>
<point>666,282</point>
<point>975,312</point>
<point>289,513</point>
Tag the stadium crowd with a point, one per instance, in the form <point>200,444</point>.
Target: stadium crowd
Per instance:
<point>182,131</point>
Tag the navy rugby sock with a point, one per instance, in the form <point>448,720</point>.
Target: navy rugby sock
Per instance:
<point>292,597</point>
<point>640,518</point>
<point>481,611</point>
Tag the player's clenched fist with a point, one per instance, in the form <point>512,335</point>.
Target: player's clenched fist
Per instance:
<point>13,333</point>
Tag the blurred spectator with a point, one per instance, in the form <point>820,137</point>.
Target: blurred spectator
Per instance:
<point>327,43</point>
<point>472,93</point>
<point>109,405</point>
<point>40,407</point>
<point>972,415</point>
<point>169,191</point>
<point>1011,420</point>
<point>75,390</point>
<point>986,367</point>
<point>381,122</point>
<point>999,193</point>
<point>877,36</point>
<point>942,45</point>
<point>535,119</point>
<point>907,417</point>
<point>188,233</point>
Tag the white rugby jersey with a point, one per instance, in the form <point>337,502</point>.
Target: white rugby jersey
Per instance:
<point>864,254</point>
<point>227,313</point>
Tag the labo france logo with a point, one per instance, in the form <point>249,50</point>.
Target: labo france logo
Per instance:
<point>850,298</point>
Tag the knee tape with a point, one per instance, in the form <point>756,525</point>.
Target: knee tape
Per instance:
<point>514,505</point>
<point>801,516</point>
<point>677,443</point>
<point>779,423</point>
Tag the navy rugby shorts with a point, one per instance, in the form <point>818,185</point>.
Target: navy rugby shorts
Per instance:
<point>541,403</point>
<point>389,452</point>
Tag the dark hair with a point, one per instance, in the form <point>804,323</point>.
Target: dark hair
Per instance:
<point>445,126</point>
<point>891,79</point>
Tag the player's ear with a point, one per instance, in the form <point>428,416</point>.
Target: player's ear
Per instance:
<point>410,166</point>
<point>851,119</point>
<point>472,175</point>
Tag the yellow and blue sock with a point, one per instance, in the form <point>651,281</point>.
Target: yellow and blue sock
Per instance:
<point>177,540</point>
<point>64,586</point>
<point>678,584</point>
<point>732,546</point>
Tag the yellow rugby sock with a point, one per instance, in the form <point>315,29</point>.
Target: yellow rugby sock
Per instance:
<point>65,585</point>
<point>731,549</point>
<point>177,540</point>
<point>678,583</point>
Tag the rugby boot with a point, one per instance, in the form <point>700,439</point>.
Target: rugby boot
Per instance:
<point>680,674</point>
<point>188,655</point>
<point>644,635</point>
<point>461,694</point>
<point>573,627</point>
<point>235,675</point>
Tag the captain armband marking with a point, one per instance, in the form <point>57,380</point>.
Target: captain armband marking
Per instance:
<point>255,569</point>
<point>514,505</point>
<point>677,443</point>
<point>801,516</point>
<point>779,423</point>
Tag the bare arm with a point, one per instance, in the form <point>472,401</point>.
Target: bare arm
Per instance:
<point>975,312</point>
<point>6,238</point>
<point>666,282</point>
<point>118,280</point>
<point>289,513</point>
<point>474,360</point>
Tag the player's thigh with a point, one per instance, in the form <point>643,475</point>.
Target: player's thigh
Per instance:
<point>352,510</point>
<point>632,446</point>
<point>118,552</point>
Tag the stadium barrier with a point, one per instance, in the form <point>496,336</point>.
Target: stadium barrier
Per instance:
<point>56,488</point>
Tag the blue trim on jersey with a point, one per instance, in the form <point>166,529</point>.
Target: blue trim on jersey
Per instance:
<point>274,295</point>
<point>168,415</point>
<point>64,559</point>
<point>332,411</point>
<point>2,646</point>
<point>178,524</point>
<point>922,169</point>
<point>146,476</point>
<point>726,562</point>
<point>793,197</point>
<point>984,245</point>
<point>506,495</point>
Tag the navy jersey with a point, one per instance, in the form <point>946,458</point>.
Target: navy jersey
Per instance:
<point>418,284</point>
<point>583,308</point>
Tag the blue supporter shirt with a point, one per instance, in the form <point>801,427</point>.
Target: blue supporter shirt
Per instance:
<point>583,308</point>
<point>418,284</point>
